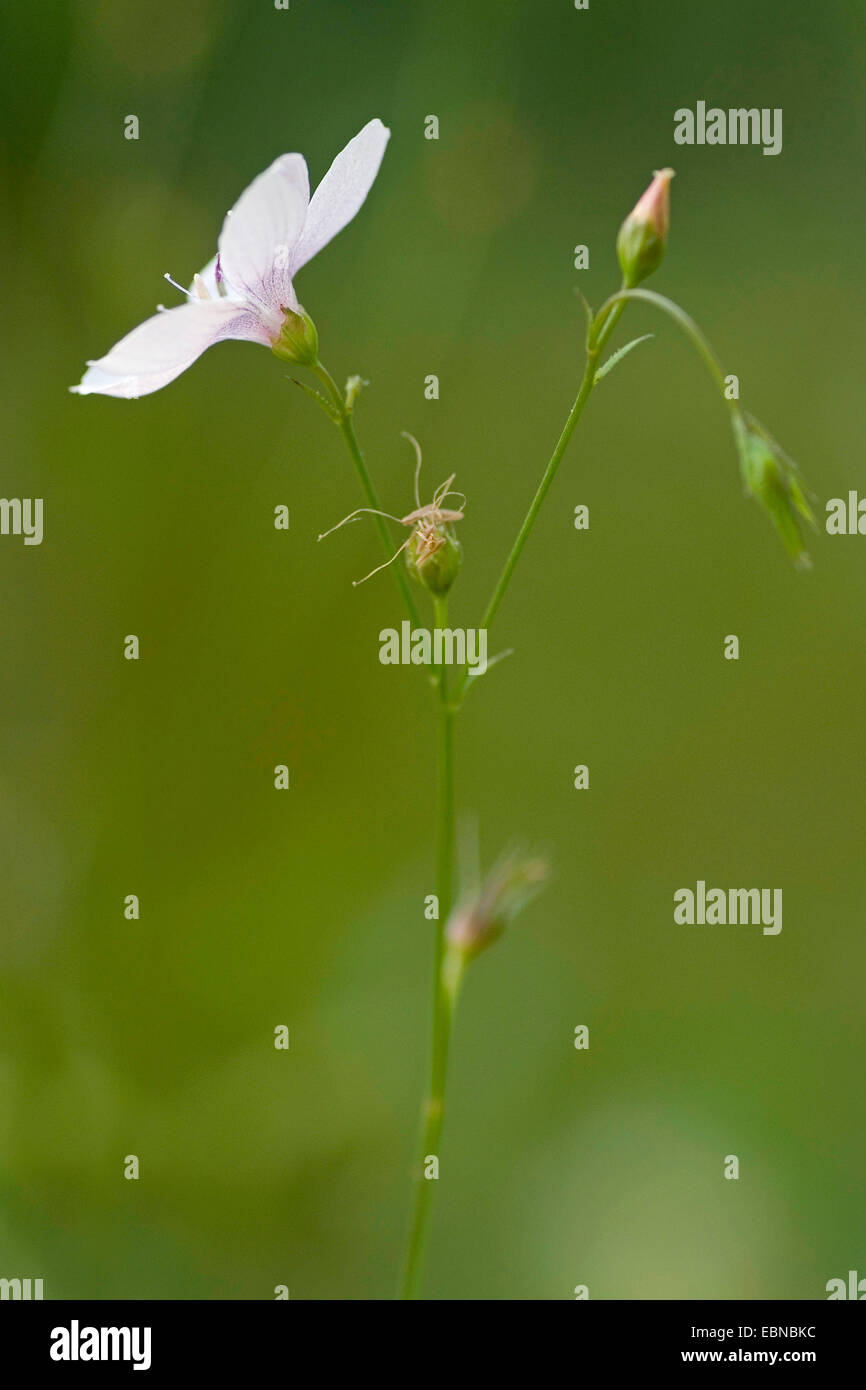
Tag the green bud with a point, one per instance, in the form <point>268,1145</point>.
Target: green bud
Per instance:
<point>773,480</point>
<point>434,556</point>
<point>644,233</point>
<point>298,340</point>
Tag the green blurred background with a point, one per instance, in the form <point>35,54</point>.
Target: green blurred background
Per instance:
<point>305,908</point>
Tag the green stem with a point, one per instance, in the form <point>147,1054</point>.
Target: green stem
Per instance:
<point>617,301</point>
<point>444,989</point>
<point>612,319</point>
<point>550,471</point>
<point>600,331</point>
<point>543,488</point>
<point>446,981</point>
<point>347,430</point>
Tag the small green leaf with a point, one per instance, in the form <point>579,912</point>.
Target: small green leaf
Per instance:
<point>474,675</point>
<point>619,355</point>
<point>329,409</point>
<point>587,309</point>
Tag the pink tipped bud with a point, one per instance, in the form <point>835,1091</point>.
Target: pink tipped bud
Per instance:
<point>509,886</point>
<point>643,235</point>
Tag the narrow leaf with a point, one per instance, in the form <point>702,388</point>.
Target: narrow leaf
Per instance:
<point>329,409</point>
<point>620,354</point>
<point>586,306</point>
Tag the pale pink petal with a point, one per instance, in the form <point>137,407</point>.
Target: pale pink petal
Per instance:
<point>162,347</point>
<point>342,191</point>
<point>259,234</point>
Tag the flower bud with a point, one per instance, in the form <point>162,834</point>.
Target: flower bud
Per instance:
<point>644,233</point>
<point>434,556</point>
<point>298,340</point>
<point>480,921</point>
<point>772,479</point>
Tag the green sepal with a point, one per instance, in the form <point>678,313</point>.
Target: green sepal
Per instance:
<point>438,568</point>
<point>298,340</point>
<point>771,478</point>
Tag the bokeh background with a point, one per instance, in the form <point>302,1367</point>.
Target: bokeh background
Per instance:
<point>258,908</point>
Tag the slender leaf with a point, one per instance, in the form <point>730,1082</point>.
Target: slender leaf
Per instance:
<point>619,355</point>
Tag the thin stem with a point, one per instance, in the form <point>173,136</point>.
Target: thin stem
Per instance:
<point>347,430</point>
<point>600,331</point>
<point>543,488</point>
<point>612,319</point>
<point>550,471</point>
<point>444,992</point>
<point>609,310</point>
<point>447,980</point>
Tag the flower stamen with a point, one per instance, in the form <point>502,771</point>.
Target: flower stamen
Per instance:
<point>176,286</point>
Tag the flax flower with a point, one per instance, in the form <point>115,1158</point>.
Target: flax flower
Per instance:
<point>247,290</point>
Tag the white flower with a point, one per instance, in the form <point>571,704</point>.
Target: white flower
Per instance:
<point>244,292</point>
